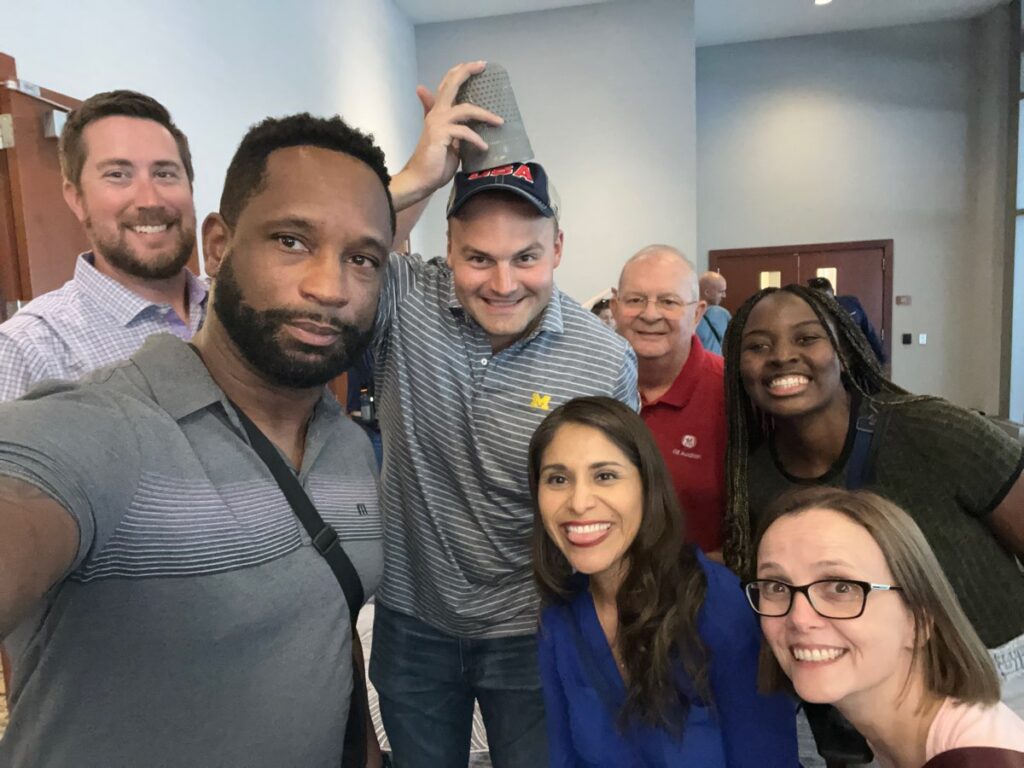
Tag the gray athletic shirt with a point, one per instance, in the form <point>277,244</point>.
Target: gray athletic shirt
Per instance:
<point>197,626</point>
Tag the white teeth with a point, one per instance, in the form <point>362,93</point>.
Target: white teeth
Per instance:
<point>592,528</point>
<point>817,654</point>
<point>152,230</point>
<point>788,382</point>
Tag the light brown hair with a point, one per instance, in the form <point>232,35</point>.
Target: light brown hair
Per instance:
<point>952,657</point>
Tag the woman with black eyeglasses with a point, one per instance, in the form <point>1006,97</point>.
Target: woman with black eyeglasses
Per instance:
<point>857,613</point>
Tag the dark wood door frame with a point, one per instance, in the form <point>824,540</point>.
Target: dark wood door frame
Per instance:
<point>886,247</point>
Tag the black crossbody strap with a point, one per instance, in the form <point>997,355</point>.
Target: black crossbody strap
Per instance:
<point>714,332</point>
<point>324,537</point>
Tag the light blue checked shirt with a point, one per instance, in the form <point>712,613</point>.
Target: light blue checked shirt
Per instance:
<point>89,322</point>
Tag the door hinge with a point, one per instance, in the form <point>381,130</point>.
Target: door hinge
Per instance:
<point>6,131</point>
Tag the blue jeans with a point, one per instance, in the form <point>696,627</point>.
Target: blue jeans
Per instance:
<point>427,682</point>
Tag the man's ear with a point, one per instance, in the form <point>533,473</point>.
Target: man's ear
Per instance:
<point>73,197</point>
<point>216,239</point>
<point>559,242</point>
<point>702,307</point>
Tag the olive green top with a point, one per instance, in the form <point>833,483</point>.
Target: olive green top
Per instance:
<point>949,468</point>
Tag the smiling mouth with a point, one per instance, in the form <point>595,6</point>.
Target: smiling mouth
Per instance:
<point>586,534</point>
<point>817,655</point>
<point>790,384</point>
<point>150,229</point>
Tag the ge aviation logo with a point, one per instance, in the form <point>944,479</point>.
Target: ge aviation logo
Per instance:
<point>689,442</point>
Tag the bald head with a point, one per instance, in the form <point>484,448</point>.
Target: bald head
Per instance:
<point>675,274</point>
<point>712,287</point>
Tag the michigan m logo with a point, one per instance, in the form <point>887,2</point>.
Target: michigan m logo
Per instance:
<point>540,402</point>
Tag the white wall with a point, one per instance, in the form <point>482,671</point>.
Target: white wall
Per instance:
<point>220,67</point>
<point>607,96</point>
<point>889,133</point>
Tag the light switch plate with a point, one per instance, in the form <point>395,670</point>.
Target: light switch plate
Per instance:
<point>922,338</point>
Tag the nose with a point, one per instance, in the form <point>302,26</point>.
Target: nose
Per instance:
<point>147,195</point>
<point>503,281</point>
<point>324,280</point>
<point>783,351</point>
<point>582,499</point>
<point>651,313</point>
<point>801,614</point>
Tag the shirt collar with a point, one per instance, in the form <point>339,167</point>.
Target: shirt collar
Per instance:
<point>181,384</point>
<point>682,388</point>
<point>121,303</point>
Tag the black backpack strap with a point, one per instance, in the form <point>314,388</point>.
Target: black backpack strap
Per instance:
<point>714,332</point>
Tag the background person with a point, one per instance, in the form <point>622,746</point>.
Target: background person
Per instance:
<point>648,653</point>
<point>657,309</point>
<point>857,312</point>
<point>128,178</point>
<point>858,613</point>
<point>711,329</point>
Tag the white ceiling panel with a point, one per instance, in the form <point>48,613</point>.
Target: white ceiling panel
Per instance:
<point>733,21</point>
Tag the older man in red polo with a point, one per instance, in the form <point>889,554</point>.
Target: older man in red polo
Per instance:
<point>657,309</point>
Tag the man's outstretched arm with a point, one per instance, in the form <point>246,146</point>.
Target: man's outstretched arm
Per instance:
<point>38,544</point>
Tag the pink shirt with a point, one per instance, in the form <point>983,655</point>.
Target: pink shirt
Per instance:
<point>971,725</point>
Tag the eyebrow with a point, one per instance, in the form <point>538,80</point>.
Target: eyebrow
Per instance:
<point>801,324</point>
<point>769,565</point>
<point>121,162</point>
<point>471,251</point>
<point>595,465</point>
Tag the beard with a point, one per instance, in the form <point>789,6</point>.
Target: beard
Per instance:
<point>260,337</point>
<point>159,266</point>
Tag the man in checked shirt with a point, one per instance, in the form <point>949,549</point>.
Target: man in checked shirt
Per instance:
<point>128,178</point>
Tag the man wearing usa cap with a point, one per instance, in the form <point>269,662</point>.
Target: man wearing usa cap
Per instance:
<point>472,353</point>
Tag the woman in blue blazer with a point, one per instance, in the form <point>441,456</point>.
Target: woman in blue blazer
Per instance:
<point>648,650</point>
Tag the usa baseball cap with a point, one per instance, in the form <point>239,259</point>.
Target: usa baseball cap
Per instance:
<point>528,180</point>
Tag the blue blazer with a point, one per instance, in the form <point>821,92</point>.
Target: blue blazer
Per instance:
<point>583,692</point>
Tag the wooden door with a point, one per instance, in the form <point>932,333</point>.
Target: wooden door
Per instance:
<point>862,269</point>
<point>747,273</point>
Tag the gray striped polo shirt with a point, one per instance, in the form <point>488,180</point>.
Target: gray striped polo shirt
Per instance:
<point>197,626</point>
<point>457,420</point>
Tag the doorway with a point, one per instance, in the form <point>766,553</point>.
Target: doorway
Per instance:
<point>862,269</point>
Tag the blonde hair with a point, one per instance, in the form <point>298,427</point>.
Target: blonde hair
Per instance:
<point>952,657</point>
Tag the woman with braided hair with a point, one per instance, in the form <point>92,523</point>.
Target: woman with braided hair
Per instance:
<point>808,405</point>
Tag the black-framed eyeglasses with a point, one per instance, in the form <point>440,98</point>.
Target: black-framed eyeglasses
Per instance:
<point>830,598</point>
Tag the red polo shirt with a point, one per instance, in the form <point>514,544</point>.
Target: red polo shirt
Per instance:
<point>689,425</point>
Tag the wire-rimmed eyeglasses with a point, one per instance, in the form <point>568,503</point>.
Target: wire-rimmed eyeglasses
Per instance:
<point>634,304</point>
<point>830,598</point>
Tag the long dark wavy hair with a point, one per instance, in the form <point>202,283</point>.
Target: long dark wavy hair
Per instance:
<point>748,427</point>
<point>664,585</point>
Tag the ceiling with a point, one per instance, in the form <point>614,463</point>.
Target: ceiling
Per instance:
<point>733,21</point>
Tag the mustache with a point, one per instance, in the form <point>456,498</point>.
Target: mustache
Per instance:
<point>152,217</point>
<point>282,316</point>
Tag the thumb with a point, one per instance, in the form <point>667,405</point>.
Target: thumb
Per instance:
<point>426,98</point>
